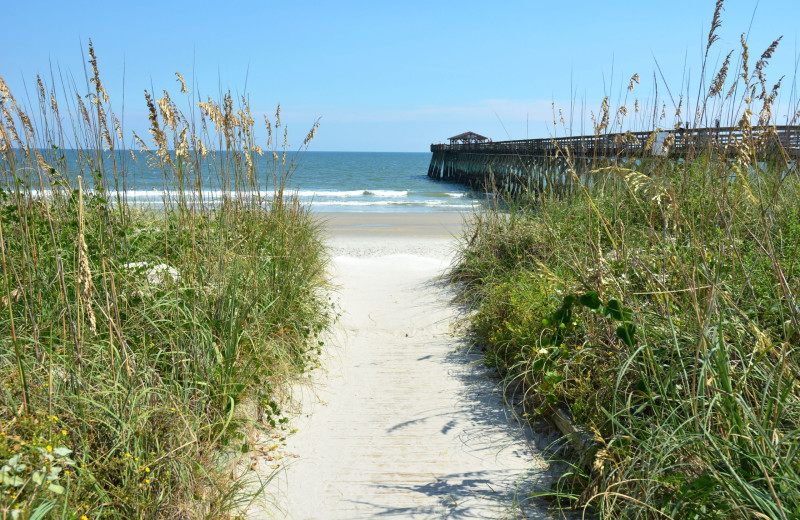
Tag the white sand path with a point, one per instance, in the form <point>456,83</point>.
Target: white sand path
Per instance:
<point>401,421</point>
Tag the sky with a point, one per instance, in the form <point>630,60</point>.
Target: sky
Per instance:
<point>398,76</point>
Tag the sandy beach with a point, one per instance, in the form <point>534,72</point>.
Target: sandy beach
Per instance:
<point>401,420</point>
<point>426,235</point>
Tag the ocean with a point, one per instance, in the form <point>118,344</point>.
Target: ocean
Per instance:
<point>337,182</point>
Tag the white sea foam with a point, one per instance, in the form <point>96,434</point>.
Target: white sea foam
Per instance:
<point>363,203</point>
<point>386,193</point>
<point>319,198</point>
<point>352,193</point>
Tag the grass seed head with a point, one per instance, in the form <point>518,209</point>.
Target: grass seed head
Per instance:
<point>633,82</point>
<point>182,82</point>
<point>719,79</point>
<point>716,23</point>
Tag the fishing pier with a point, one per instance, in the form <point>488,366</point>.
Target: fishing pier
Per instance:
<point>554,163</point>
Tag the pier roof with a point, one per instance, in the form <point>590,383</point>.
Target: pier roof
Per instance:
<point>468,137</point>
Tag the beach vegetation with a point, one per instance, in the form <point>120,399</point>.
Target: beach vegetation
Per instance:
<point>144,349</point>
<point>657,308</point>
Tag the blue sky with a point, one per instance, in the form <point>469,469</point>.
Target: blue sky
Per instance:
<point>394,76</point>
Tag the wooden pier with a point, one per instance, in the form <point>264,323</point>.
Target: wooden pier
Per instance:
<point>535,164</point>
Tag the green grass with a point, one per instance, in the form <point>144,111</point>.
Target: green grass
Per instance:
<point>129,393</point>
<point>659,307</point>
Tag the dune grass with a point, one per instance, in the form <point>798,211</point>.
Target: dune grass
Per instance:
<point>142,348</point>
<point>659,308</point>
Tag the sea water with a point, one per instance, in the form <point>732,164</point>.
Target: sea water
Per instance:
<point>327,181</point>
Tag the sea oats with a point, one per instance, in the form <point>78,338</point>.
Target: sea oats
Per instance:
<point>285,143</point>
<point>603,125</point>
<point>747,115</point>
<point>42,96</point>
<point>719,79</point>
<point>212,110</point>
<point>652,139</point>
<point>168,111</point>
<point>229,120</point>
<point>159,138</point>
<point>41,162</point>
<point>767,54</point>
<point>716,23</point>
<point>118,128</point>
<point>84,272</point>
<point>666,145</point>
<point>95,79</point>
<point>765,115</point>
<point>84,112</point>
<point>634,80</point>
<point>246,118</point>
<point>27,126</point>
<point>5,92</point>
<point>142,145</point>
<point>10,128</point>
<point>182,82</point>
<point>745,58</point>
<point>201,148</point>
<point>311,134</point>
<point>5,147</point>
<point>269,131</point>
<point>183,146</point>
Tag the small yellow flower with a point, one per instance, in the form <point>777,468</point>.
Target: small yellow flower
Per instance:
<point>63,432</point>
<point>84,517</point>
<point>49,448</point>
<point>147,481</point>
<point>147,470</point>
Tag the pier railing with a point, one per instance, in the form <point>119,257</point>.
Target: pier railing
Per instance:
<point>553,163</point>
<point>680,142</point>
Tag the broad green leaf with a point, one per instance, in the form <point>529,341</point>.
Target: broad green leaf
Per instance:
<point>56,488</point>
<point>590,300</point>
<point>613,310</point>
<point>62,451</point>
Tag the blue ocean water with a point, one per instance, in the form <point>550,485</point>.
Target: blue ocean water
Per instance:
<point>375,181</point>
<point>341,182</point>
